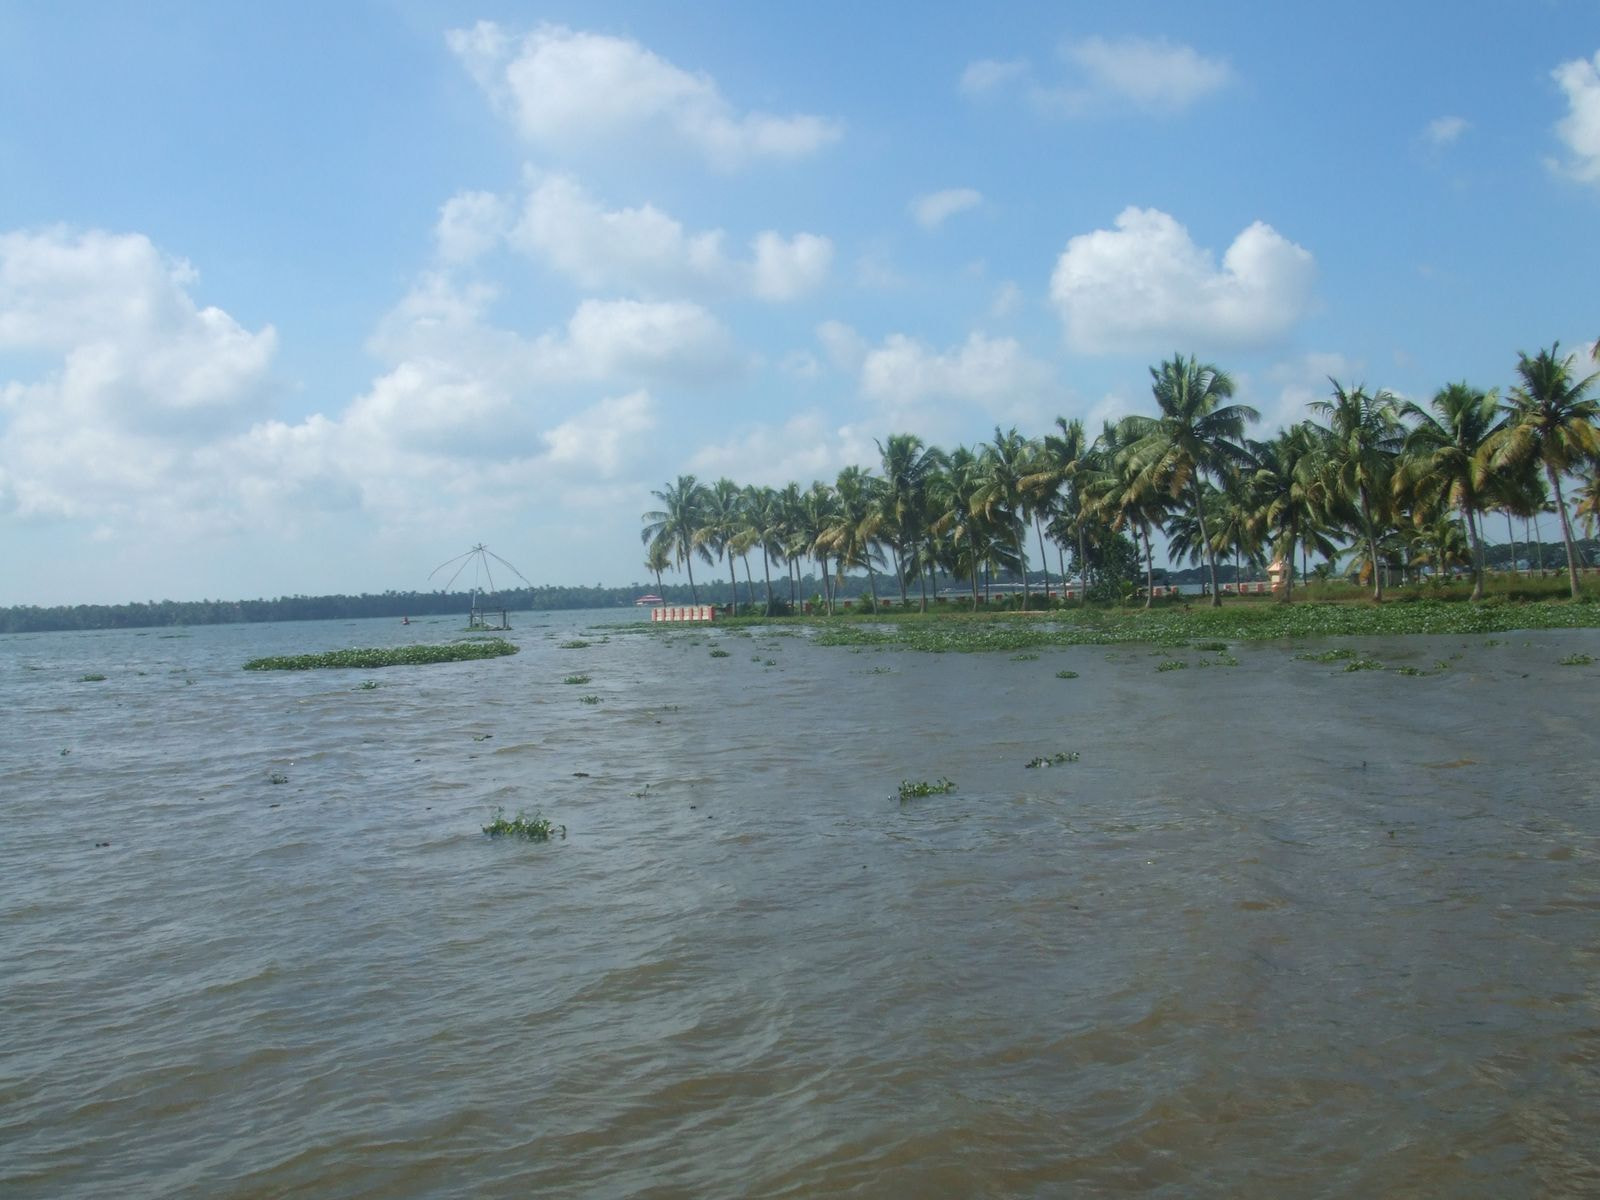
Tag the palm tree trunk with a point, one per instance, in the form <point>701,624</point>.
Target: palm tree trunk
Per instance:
<point>1205,540</point>
<point>688,565</point>
<point>1149,565</point>
<point>766,571</point>
<point>1566,528</point>
<point>1022,562</point>
<point>899,573</point>
<point>1511,536</point>
<point>1477,551</point>
<point>1044,559</point>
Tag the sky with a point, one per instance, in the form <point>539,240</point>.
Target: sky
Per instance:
<point>300,299</point>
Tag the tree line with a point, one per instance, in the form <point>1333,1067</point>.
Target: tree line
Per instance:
<point>1378,483</point>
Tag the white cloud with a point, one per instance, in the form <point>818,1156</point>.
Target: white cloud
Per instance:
<point>912,382</point>
<point>1145,285</point>
<point>130,373</point>
<point>470,224</point>
<point>1289,386</point>
<point>933,209</point>
<point>1445,131</point>
<point>646,251</point>
<point>802,449</point>
<point>1158,76</point>
<point>987,74</point>
<point>1579,130</point>
<point>1109,74</point>
<point>843,346</point>
<point>597,440</point>
<point>1006,301</point>
<point>565,88</point>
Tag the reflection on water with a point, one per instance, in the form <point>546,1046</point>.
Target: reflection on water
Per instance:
<point>1281,929</point>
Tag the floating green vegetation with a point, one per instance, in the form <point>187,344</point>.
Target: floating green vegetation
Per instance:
<point>1222,660</point>
<point>388,656</point>
<point>720,654</point>
<point>591,699</point>
<point>1363,664</point>
<point>1024,657</point>
<point>277,777</point>
<point>1053,760</point>
<point>367,685</point>
<point>1325,656</point>
<point>1173,664</point>
<point>535,828</point>
<point>576,679</point>
<point>910,790</point>
<point>769,662</point>
<point>575,644</point>
<point>1408,670</point>
<point>881,671</point>
<point>1213,646</point>
<point>91,678</point>
<point>1577,660</point>
<point>1066,674</point>
<point>1236,621</point>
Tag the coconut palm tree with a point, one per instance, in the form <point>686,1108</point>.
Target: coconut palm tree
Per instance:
<point>763,527</point>
<point>1447,454</point>
<point>1362,439</point>
<point>1004,463</point>
<point>1551,421</point>
<point>1196,437</point>
<point>656,560</point>
<point>959,519</point>
<point>1061,467</point>
<point>1286,485</point>
<point>677,524</point>
<point>909,467</point>
<point>720,525</point>
<point>857,519</point>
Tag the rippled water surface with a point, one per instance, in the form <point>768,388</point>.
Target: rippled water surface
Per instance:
<point>1282,929</point>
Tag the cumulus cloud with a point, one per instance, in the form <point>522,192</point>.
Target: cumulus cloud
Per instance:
<point>1579,130</point>
<point>470,224</point>
<point>803,448</point>
<point>933,209</point>
<point>1445,131</point>
<point>937,392</point>
<point>645,251</point>
<point>598,439</point>
<point>1107,75</point>
<point>1145,285</point>
<point>565,88</point>
<point>131,373</point>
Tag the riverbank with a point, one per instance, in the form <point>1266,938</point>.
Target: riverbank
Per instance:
<point>1235,621</point>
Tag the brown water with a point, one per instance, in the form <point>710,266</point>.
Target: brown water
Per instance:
<point>1281,930</point>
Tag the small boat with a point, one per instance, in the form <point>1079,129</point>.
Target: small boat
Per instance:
<point>648,601</point>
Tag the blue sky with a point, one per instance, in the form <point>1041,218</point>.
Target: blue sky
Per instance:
<point>305,299</point>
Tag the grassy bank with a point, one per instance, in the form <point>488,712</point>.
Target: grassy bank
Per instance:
<point>389,656</point>
<point>1236,621</point>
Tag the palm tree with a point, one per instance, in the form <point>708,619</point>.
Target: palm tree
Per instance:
<point>959,518</point>
<point>1447,454</point>
<point>816,517</point>
<point>1004,463</point>
<point>1124,496</point>
<point>720,527</point>
<point>1550,421</point>
<point>1195,438</point>
<point>1060,468</point>
<point>857,518</point>
<point>656,560</point>
<point>908,469</point>
<point>763,526</point>
<point>1288,497</point>
<point>1362,439</point>
<point>677,524</point>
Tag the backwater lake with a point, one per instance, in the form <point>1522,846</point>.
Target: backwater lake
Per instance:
<point>1280,930</point>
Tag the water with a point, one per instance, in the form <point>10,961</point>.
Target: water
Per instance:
<point>1281,930</point>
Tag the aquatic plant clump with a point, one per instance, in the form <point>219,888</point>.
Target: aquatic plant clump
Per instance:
<point>1053,760</point>
<point>910,790</point>
<point>535,828</point>
<point>388,656</point>
<point>1577,660</point>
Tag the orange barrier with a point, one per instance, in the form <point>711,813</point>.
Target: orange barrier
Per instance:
<point>684,612</point>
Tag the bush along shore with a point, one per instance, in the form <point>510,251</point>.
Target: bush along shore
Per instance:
<point>388,656</point>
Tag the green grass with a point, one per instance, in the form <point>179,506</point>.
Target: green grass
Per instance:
<point>389,656</point>
<point>535,828</point>
<point>910,790</point>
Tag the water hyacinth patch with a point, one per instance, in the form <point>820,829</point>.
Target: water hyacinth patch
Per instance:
<point>576,679</point>
<point>1066,674</point>
<point>534,828</point>
<point>389,656</point>
<point>1173,664</point>
<point>1053,760</point>
<point>910,790</point>
<point>1577,660</point>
